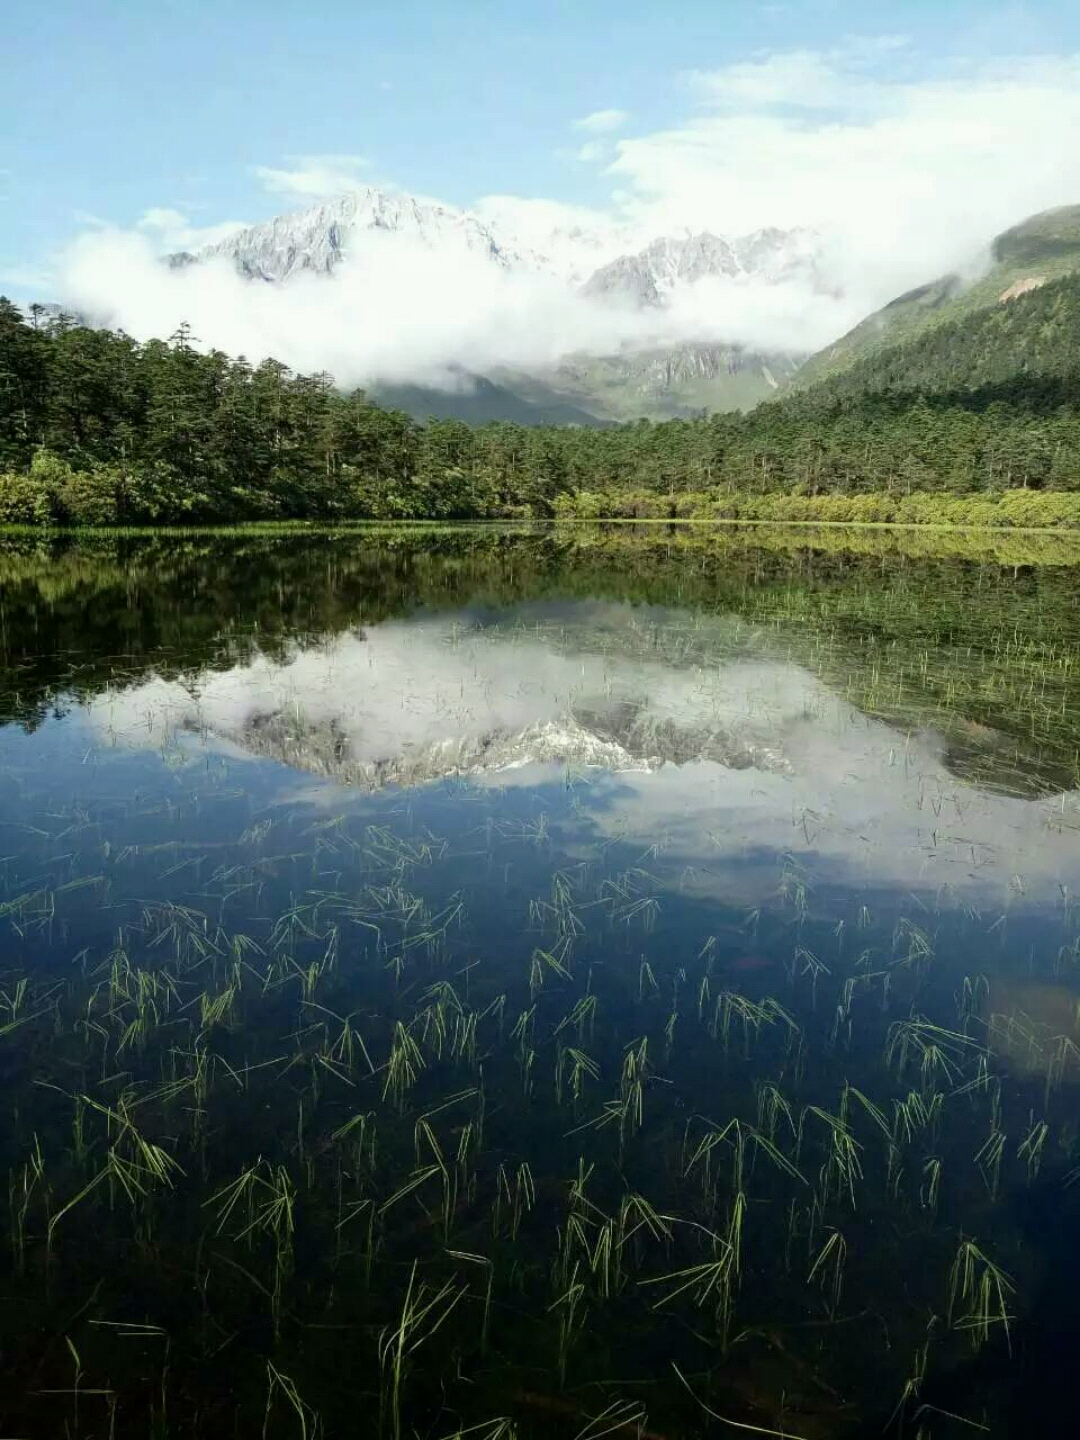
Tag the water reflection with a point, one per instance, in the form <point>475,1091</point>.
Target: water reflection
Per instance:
<point>629,1011</point>
<point>722,752</point>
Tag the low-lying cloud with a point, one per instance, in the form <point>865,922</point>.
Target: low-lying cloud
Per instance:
<point>905,174</point>
<point>396,311</point>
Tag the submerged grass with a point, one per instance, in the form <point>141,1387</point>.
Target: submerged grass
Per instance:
<point>188,1149</point>
<point>355,1127</point>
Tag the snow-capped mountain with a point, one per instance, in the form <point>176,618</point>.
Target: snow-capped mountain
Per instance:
<point>654,274</point>
<point>319,239</point>
<point>599,262</point>
<point>322,237</point>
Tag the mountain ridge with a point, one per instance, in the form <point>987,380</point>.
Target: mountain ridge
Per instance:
<point>641,379</point>
<point>601,266</point>
<point>1041,248</point>
<point>316,238</point>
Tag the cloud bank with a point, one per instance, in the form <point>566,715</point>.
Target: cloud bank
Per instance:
<point>397,311</point>
<point>910,174</point>
<point>906,173</point>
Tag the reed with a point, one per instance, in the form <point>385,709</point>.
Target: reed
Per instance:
<point>425,1309</point>
<point>828,1268</point>
<point>310,1426</point>
<point>978,1295</point>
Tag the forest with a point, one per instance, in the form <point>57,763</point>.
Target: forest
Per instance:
<point>976,421</point>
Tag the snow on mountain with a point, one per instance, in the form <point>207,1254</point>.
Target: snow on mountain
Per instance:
<point>570,242</point>
<point>319,239</point>
<point>665,265</point>
<point>658,343</point>
<point>630,280</point>
<point>781,254</point>
<point>590,258</point>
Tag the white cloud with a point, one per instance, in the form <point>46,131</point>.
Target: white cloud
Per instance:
<point>904,177</point>
<point>536,216</point>
<point>602,122</point>
<point>575,238</point>
<point>312,176</point>
<point>170,229</point>
<point>592,151</point>
<point>860,77</point>
<point>800,78</point>
<point>910,176</point>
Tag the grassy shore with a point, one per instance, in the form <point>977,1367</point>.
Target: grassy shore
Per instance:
<point>1011,509</point>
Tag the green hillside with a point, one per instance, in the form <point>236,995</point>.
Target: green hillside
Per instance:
<point>96,428</point>
<point>661,384</point>
<point>1024,350</point>
<point>480,400</point>
<point>1039,249</point>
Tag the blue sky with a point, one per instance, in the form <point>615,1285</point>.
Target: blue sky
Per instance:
<point>111,110</point>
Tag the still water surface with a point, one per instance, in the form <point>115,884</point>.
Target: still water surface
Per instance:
<point>556,984</point>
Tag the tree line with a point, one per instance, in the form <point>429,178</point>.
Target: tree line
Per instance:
<point>96,428</point>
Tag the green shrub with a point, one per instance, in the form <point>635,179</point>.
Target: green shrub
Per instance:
<point>24,500</point>
<point>90,497</point>
<point>1030,509</point>
<point>152,495</point>
<point>49,471</point>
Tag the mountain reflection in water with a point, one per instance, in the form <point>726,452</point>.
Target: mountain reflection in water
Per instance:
<point>538,984</point>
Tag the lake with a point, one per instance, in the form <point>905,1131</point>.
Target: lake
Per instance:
<point>571,982</point>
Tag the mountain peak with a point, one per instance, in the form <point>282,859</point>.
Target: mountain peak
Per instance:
<point>667,263</point>
<point>318,238</point>
<point>526,239</point>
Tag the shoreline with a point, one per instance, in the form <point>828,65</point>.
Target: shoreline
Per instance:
<point>284,527</point>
